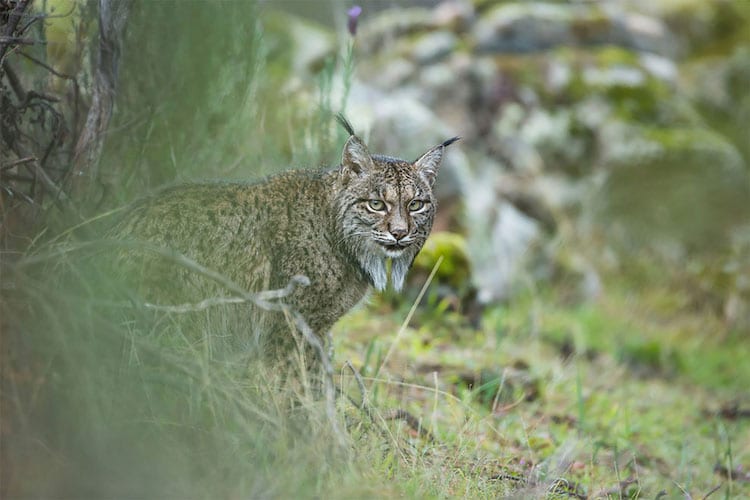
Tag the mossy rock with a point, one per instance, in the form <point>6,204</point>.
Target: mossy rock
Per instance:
<point>455,268</point>
<point>620,76</point>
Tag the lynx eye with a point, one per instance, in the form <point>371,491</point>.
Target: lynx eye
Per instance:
<point>416,205</point>
<point>376,205</point>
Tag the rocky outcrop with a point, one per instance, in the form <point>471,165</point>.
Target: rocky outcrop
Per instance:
<point>619,124</point>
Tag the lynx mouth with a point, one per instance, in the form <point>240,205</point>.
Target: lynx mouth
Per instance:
<point>392,250</point>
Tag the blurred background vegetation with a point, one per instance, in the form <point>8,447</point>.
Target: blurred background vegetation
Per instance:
<point>590,318</point>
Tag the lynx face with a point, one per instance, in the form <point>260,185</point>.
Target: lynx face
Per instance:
<point>386,209</point>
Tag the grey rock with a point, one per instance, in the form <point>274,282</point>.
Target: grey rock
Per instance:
<point>500,237</point>
<point>396,73</point>
<point>524,27</point>
<point>388,26</point>
<point>433,47</point>
<point>536,140</point>
<point>517,27</point>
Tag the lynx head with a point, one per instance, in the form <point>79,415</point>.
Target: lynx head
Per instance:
<point>385,207</point>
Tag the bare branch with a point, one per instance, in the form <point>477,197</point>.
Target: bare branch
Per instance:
<point>260,299</point>
<point>13,19</point>
<point>15,163</point>
<point>45,66</point>
<point>20,40</point>
<point>193,307</point>
<point>36,168</point>
<point>15,82</point>
<point>113,16</point>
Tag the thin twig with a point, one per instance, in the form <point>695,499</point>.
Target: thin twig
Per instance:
<point>31,94</point>
<point>683,490</point>
<point>14,163</point>
<point>314,341</point>
<point>358,378</point>
<point>376,418</point>
<point>56,191</point>
<point>45,66</point>
<point>261,299</point>
<point>411,420</point>
<point>20,40</point>
<point>193,307</point>
<point>39,17</point>
<point>15,192</point>
<point>713,490</point>
<point>364,404</point>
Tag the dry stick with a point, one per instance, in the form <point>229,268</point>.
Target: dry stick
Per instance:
<point>60,75</point>
<point>260,299</point>
<point>411,420</point>
<point>413,309</point>
<point>315,342</point>
<point>435,402</point>
<point>713,490</point>
<point>53,188</point>
<point>445,394</point>
<point>396,414</point>
<point>367,410</point>
<point>45,66</point>
<point>35,166</point>
<point>364,405</point>
<point>14,192</point>
<point>14,163</point>
<point>20,40</point>
<point>15,82</point>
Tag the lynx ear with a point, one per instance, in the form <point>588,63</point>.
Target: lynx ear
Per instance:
<point>355,159</point>
<point>429,163</point>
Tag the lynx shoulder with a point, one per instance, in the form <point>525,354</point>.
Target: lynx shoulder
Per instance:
<point>337,227</point>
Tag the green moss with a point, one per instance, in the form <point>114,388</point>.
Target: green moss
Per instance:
<point>455,267</point>
<point>612,55</point>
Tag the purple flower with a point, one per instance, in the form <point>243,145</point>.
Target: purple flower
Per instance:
<point>353,15</point>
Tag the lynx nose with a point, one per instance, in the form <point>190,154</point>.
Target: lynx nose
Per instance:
<point>398,232</point>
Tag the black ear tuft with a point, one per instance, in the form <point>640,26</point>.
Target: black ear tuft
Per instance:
<point>450,141</point>
<point>345,123</point>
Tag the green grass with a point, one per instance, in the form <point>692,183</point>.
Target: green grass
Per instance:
<point>605,394</point>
